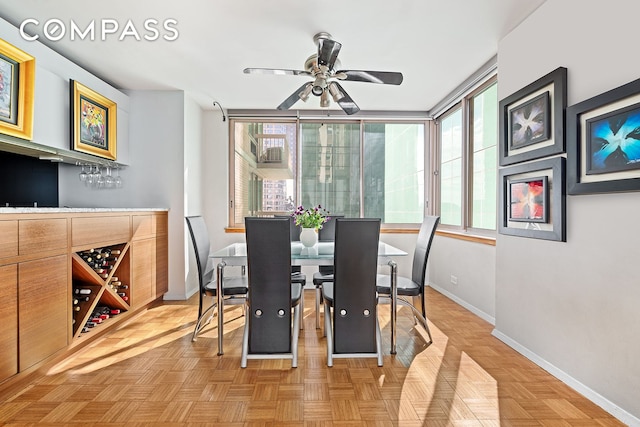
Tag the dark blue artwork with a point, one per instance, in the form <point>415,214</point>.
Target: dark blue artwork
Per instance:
<point>614,141</point>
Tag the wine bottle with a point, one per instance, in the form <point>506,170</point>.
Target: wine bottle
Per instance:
<point>76,308</point>
<point>82,291</point>
<point>75,301</point>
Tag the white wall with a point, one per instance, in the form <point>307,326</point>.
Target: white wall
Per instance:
<point>573,307</point>
<point>473,264</point>
<point>194,163</point>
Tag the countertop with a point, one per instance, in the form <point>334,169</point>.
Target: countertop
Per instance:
<point>71,210</point>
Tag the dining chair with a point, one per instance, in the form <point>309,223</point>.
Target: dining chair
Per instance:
<point>269,331</point>
<point>297,276</point>
<point>234,288</point>
<point>414,286</point>
<point>325,272</point>
<point>350,301</point>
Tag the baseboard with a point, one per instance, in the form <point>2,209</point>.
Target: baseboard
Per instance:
<point>593,396</point>
<point>475,310</point>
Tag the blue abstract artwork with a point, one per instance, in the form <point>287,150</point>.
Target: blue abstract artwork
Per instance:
<point>613,141</point>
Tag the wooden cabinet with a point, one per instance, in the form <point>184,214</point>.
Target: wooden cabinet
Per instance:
<point>9,322</point>
<point>143,288</point>
<point>43,309</point>
<point>8,239</point>
<point>40,267</point>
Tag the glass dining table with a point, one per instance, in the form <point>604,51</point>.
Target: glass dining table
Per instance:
<point>235,254</point>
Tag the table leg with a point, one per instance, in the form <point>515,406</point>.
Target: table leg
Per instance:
<point>394,302</point>
<point>219,295</point>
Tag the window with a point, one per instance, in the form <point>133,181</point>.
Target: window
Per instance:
<point>467,142</point>
<point>352,168</point>
<point>394,162</point>
<point>264,159</point>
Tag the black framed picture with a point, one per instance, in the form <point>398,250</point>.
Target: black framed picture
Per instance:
<point>603,133</point>
<point>529,199</point>
<point>532,120</point>
<point>533,200</point>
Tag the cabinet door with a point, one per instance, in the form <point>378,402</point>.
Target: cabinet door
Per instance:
<point>43,308</point>
<point>8,238</point>
<point>162,266</point>
<point>9,321</point>
<point>142,259</point>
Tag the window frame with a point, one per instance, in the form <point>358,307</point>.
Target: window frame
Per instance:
<point>465,105</point>
<point>267,118</point>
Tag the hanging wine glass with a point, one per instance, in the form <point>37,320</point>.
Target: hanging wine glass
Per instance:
<point>90,176</point>
<point>108,179</point>
<point>117,181</point>
<point>83,173</point>
<point>99,178</point>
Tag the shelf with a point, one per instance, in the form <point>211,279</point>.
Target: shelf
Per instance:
<point>43,152</point>
<point>85,276</point>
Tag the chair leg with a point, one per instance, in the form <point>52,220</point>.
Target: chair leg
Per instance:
<point>329,333</point>
<point>200,325</point>
<point>378,342</point>
<point>245,341</point>
<point>296,335</point>
<point>301,308</point>
<point>417,315</point>
<point>318,298</point>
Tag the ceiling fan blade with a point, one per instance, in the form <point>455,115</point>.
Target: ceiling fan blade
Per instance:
<point>294,97</point>
<point>276,71</point>
<point>345,102</point>
<point>382,77</point>
<point>328,52</point>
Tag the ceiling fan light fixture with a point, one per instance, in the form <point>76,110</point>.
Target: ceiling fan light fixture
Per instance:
<point>335,92</point>
<point>324,100</point>
<point>304,95</point>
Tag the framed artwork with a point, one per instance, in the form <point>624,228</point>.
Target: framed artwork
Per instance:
<point>604,142</point>
<point>17,82</point>
<point>529,199</point>
<point>532,198</point>
<point>93,122</point>
<point>532,120</point>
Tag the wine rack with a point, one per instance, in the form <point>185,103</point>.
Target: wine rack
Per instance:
<point>100,286</point>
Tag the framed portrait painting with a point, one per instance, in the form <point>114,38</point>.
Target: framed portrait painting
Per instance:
<point>532,199</point>
<point>531,121</point>
<point>603,134</point>
<point>17,82</point>
<point>93,122</point>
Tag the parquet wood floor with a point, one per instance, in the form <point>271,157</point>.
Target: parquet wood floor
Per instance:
<point>149,373</point>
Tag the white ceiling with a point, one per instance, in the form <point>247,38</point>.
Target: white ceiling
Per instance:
<point>436,44</point>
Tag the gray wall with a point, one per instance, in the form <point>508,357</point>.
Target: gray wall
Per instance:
<point>155,176</point>
<point>51,117</point>
<point>573,307</point>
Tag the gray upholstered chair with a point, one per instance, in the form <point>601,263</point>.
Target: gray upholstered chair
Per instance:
<point>414,286</point>
<point>234,288</point>
<point>273,303</point>
<point>351,301</point>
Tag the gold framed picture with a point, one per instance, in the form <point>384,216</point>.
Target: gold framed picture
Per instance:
<point>93,122</point>
<point>17,83</point>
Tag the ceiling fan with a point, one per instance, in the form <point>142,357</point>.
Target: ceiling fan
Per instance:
<point>323,67</point>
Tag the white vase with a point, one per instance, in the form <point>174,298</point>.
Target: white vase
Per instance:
<point>309,239</point>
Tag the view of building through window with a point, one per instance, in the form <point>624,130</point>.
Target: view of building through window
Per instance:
<point>381,176</point>
<point>264,169</point>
